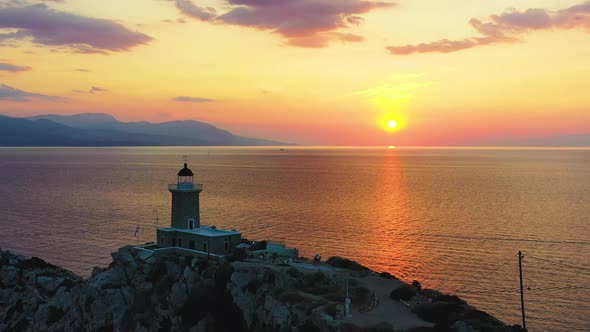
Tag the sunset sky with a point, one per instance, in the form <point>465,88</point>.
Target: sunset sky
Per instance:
<point>306,71</point>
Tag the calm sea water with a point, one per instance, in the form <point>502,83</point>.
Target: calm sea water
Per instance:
<point>454,219</point>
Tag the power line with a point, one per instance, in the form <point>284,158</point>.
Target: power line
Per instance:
<point>561,264</point>
<point>481,274</point>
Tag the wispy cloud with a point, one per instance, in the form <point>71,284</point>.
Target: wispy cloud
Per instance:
<point>93,89</point>
<point>81,34</point>
<point>302,23</point>
<point>506,28</point>
<point>82,70</point>
<point>13,68</point>
<point>9,93</point>
<point>397,91</point>
<point>193,99</point>
<point>190,9</point>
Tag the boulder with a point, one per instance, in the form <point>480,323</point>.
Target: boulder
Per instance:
<point>461,326</point>
<point>145,256</point>
<point>49,284</point>
<point>178,295</point>
<point>105,279</point>
<point>97,269</point>
<point>63,298</point>
<point>124,255</point>
<point>9,275</point>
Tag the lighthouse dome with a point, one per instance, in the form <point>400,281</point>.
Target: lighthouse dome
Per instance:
<point>185,171</point>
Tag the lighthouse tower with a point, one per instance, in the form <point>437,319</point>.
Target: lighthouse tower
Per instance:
<point>185,201</point>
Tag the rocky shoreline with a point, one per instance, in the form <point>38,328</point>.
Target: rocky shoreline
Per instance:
<point>139,292</point>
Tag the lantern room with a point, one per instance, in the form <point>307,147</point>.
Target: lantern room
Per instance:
<point>185,176</point>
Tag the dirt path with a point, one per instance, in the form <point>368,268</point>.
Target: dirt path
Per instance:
<point>393,312</point>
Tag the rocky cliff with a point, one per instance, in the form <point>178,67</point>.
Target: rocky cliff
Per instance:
<point>139,292</point>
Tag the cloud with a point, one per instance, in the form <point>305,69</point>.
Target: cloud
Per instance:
<point>13,68</point>
<point>96,89</point>
<point>12,94</point>
<point>83,70</point>
<point>302,23</point>
<point>82,34</point>
<point>506,28</point>
<point>93,89</point>
<point>193,99</point>
<point>190,9</point>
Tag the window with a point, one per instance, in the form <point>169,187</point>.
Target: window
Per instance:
<point>180,242</point>
<point>226,245</point>
<point>191,244</point>
<point>191,223</point>
<point>205,247</point>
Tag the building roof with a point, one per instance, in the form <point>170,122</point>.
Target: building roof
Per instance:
<point>185,171</point>
<point>209,231</point>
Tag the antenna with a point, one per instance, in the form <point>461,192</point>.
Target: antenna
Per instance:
<point>185,157</point>
<point>157,219</point>
<point>520,256</point>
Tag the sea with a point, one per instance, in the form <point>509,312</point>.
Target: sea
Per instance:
<point>452,218</point>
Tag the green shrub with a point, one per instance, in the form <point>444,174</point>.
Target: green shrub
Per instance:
<point>258,245</point>
<point>35,263</point>
<point>308,326</point>
<point>440,313</point>
<point>387,275</point>
<point>294,272</point>
<point>346,263</point>
<point>331,310</point>
<point>292,297</point>
<point>360,294</point>
<point>404,292</point>
<point>336,296</point>
<point>54,314</point>
<point>318,283</point>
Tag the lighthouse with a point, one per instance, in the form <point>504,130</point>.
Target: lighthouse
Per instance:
<point>186,235</point>
<point>185,201</point>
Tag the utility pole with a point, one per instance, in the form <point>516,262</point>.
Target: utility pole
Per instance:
<point>520,256</point>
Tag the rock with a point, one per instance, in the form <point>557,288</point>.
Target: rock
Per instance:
<point>461,326</point>
<point>107,279</point>
<point>144,255</point>
<point>178,296</point>
<point>49,284</point>
<point>97,269</point>
<point>173,294</point>
<point>9,275</point>
<point>201,326</point>
<point>173,269</point>
<point>187,273</point>
<point>125,255</point>
<point>31,277</point>
<point>63,298</point>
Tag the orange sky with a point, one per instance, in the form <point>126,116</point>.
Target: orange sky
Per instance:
<point>306,71</point>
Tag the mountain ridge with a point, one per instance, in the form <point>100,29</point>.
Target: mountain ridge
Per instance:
<point>101,129</point>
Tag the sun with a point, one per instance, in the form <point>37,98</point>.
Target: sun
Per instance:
<point>391,124</point>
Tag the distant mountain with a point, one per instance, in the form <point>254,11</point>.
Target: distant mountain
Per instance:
<point>565,140</point>
<point>84,120</point>
<point>187,132</point>
<point>98,129</point>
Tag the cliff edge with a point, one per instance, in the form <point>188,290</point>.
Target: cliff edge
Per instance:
<point>139,292</point>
